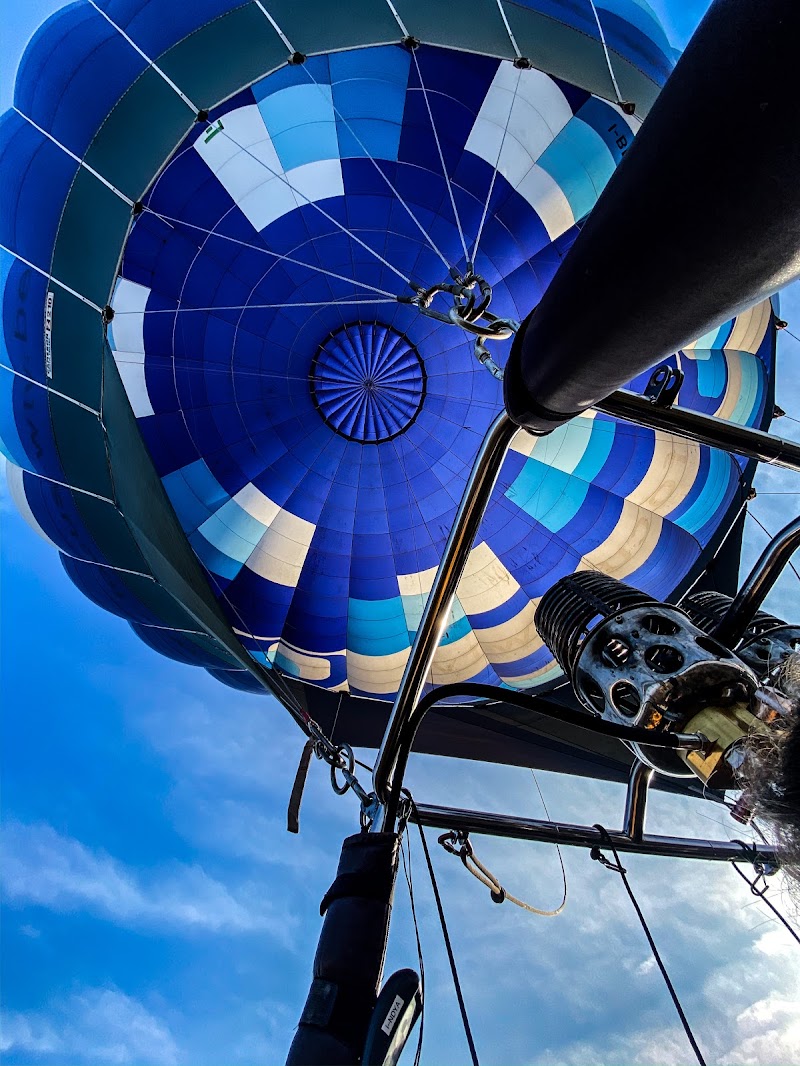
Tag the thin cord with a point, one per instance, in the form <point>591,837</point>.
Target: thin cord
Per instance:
<point>448,183</point>
<point>496,167</point>
<point>266,251</point>
<point>607,55</point>
<point>368,155</point>
<point>346,301</point>
<point>410,883</point>
<point>620,869</point>
<point>762,896</point>
<point>312,203</point>
<point>761,525</point>
<point>456,983</point>
<point>547,814</point>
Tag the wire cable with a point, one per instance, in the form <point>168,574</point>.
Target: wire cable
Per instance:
<point>446,176</point>
<point>410,882</point>
<point>581,719</point>
<point>617,866</point>
<point>764,529</point>
<point>761,893</point>
<point>443,922</point>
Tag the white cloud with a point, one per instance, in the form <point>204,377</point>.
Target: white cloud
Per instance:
<point>44,868</point>
<point>94,1025</point>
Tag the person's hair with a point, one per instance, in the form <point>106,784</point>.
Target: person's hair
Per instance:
<point>770,778</point>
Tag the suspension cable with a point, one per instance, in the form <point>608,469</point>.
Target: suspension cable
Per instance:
<point>277,256</point>
<point>496,167</point>
<point>761,893</point>
<point>446,176</point>
<point>405,845</point>
<point>617,867</point>
<point>445,934</point>
<point>313,203</point>
<point>607,54</point>
<point>380,171</point>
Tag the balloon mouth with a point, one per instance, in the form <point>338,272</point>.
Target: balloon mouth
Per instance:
<point>367,382</point>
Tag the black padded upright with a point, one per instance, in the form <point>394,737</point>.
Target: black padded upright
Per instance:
<point>700,220</point>
<point>350,953</point>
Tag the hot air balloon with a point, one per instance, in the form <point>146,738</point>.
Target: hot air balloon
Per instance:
<point>221,401</point>
<point>245,247</point>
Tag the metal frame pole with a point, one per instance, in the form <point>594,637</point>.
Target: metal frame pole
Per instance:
<point>636,800</point>
<point>757,584</point>
<point>584,836</point>
<point>403,721</point>
<point>706,429</point>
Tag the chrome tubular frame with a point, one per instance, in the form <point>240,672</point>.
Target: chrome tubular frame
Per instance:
<point>758,583</point>
<point>404,721</point>
<point>405,717</point>
<point>706,429</point>
<point>584,836</point>
<point>636,801</point>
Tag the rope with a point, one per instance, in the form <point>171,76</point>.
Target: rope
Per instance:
<point>442,162</point>
<point>410,883</point>
<point>607,55</point>
<point>446,936</point>
<point>313,203</point>
<point>496,167</point>
<point>511,36</point>
<point>764,529</point>
<point>266,251</point>
<point>499,894</point>
<point>762,895</point>
<point>374,162</point>
<point>617,866</point>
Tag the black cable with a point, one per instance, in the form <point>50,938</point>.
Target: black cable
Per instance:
<point>410,883</point>
<point>456,983</point>
<point>620,869</point>
<point>633,734</point>
<point>764,529</point>
<point>761,893</point>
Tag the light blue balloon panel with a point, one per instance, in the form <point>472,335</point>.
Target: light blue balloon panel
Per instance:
<point>312,433</point>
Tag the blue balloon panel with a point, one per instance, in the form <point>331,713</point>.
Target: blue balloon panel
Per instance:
<point>315,435</point>
<point>312,429</point>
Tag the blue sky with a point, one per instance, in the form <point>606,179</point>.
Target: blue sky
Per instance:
<point>156,911</point>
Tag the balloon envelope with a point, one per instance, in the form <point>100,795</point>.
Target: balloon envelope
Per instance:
<point>258,462</point>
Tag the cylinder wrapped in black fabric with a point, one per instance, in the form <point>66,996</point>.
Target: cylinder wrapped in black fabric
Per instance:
<point>350,954</point>
<point>700,220</point>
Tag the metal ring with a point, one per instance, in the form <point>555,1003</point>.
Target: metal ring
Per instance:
<point>496,330</point>
<point>346,761</point>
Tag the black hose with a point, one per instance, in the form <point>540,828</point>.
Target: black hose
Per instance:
<point>633,734</point>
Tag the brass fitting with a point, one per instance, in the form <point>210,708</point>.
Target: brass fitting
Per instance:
<point>725,728</point>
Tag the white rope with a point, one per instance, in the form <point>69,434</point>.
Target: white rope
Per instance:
<point>65,485</point>
<point>496,166</point>
<point>146,58</point>
<point>274,255</point>
<point>316,206</point>
<point>54,280</point>
<point>511,36</point>
<point>394,191</point>
<point>441,159</point>
<point>344,302</point>
<point>397,18</point>
<point>607,54</point>
<point>81,162</point>
<point>50,389</point>
<point>276,27</point>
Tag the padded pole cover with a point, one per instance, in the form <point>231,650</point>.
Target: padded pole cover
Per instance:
<point>350,953</point>
<point>714,171</point>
